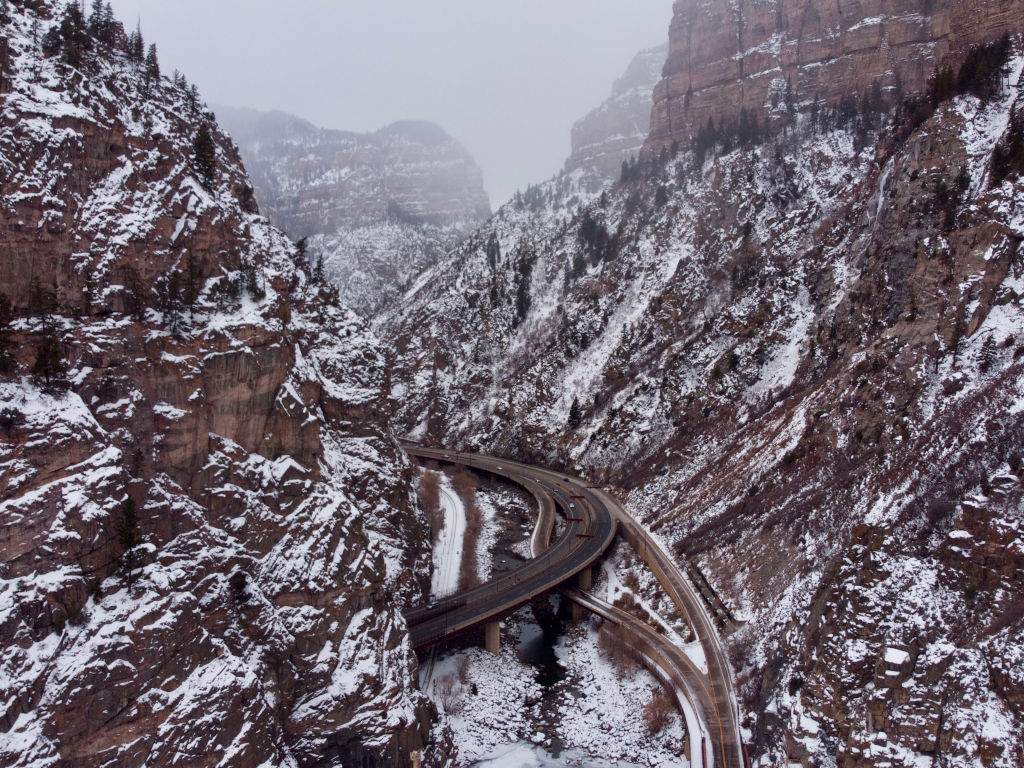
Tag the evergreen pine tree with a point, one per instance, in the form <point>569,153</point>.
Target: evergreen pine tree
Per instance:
<point>51,42</point>
<point>70,37</point>
<point>579,265</point>
<point>877,100</point>
<point>152,65</point>
<point>112,25</point>
<point>493,251</point>
<point>88,290</point>
<point>128,538</point>
<point>135,295</point>
<point>170,290</point>
<point>575,415</point>
<point>96,18</point>
<point>102,24</point>
<point>1008,155</point>
<point>136,46</point>
<point>34,296</point>
<point>50,370</point>
<point>987,356</point>
<point>744,129</point>
<point>42,303</point>
<point>523,298</point>
<point>205,155</point>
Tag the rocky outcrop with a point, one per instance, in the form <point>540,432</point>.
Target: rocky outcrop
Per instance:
<point>378,208</point>
<point>616,131</point>
<point>770,56</point>
<point>208,529</point>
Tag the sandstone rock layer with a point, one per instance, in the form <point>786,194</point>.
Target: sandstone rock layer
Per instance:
<point>756,54</point>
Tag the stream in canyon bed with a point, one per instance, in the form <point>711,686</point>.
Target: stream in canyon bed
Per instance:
<point>542,624</point>
<point>537,641</point>
<point>523,755</point>
<point>539,628</point>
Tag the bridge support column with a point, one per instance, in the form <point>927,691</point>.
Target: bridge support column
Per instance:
<point>492,638</point>
<point>586,579</point>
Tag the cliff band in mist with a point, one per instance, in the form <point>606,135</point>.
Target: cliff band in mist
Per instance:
<point>616,131</point>
<point>378,208</point>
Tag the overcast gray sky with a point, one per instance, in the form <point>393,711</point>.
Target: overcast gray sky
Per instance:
<point>508,78</point>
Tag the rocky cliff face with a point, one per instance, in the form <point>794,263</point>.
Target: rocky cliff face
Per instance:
<point>769,56</point>
<point>802,363</point>
<point>616,131</point>
<point>208,530</point>
<point>379,207</point>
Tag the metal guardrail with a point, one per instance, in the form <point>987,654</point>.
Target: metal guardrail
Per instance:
<point>709,595</point>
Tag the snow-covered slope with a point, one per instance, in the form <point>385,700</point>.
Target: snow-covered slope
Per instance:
<point>802,360</point>
<point>380,208</point>
<point>208,531</point>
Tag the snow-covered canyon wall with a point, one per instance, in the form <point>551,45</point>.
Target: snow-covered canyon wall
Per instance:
<point>767,56</point>
<point>208,529</point>
<point>799,353</point>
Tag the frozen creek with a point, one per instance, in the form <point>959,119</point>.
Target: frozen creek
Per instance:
<point>552,698</point>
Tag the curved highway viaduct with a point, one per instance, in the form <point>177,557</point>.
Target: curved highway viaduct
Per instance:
<point>593,517</point>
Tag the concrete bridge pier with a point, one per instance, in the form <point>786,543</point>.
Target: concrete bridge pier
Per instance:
<point>586,581</point>
<point>492,637</point>
<point>586,578</point>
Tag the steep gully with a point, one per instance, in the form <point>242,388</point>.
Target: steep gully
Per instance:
<point>593,517</point>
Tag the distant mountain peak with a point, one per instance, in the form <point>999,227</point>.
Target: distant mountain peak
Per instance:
<point>380,207</point>
<point>312,180</point>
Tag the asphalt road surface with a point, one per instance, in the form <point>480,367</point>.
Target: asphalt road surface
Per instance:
<point>583,540</point>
